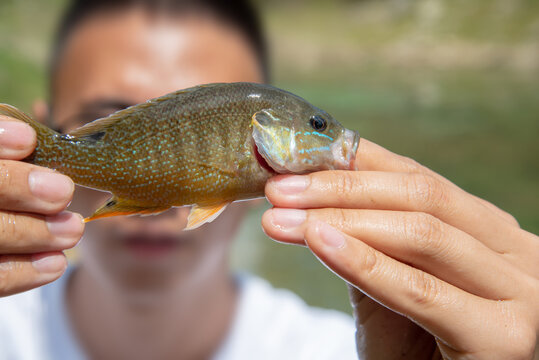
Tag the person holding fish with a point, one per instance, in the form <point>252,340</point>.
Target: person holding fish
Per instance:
<point>433,271</point>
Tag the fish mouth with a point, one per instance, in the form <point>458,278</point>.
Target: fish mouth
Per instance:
<point>350,146</point>
<point>344,152</point>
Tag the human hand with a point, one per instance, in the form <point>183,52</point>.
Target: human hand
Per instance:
<point>456,265</point>
<point>34,229</point>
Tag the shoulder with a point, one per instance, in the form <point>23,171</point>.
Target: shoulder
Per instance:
<point>275,323</point>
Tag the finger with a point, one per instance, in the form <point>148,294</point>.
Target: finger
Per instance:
<point>26,233</point>
<point>418,239</point>
<point>19,273</point>
<point>391,191</point>
<point>286,225</point>
<point>373,157</point>
<point>17,139</point>
<point>29,188</point>
<point>427,300</point>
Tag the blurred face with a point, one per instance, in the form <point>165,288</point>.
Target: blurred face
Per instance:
<point>116,59</point>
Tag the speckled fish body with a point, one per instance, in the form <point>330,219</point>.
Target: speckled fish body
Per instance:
<point>205,146</point>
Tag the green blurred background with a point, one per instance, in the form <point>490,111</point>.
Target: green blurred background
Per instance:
<point>453,84</point>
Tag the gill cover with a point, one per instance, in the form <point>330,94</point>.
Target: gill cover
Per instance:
<point>275,141</point>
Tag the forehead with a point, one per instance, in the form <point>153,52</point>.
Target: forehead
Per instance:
<point>134,55</point>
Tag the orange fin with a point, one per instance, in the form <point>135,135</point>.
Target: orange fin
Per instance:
<point>116,206</point>
<point>200,215</point>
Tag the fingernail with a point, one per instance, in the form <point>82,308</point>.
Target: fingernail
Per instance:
<point>15,135</point>
<point>288,219</point>
<point>292,184</point>
<point>65,225</point>
<point>330,236</point>
<point>46,263</point>
<point>50,186</point>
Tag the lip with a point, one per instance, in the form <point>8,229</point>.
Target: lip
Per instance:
<point>150,248</point>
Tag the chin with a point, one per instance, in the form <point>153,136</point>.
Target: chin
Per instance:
<point>150,270</point>
<point>140,287</point>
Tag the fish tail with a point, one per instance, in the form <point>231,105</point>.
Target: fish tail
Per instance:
<point>46,137</point>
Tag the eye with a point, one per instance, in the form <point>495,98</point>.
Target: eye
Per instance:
<point>318,123</point>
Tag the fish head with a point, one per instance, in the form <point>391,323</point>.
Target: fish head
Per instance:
<point>303,138</point>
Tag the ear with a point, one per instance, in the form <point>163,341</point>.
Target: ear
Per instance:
<point>40,110</point>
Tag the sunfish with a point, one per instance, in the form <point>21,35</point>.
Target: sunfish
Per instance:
<point>205,146</point>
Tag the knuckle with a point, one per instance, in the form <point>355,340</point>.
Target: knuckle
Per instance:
<point>369,262</point>
<point>6,178</point>
<point>511,219</point>
<point>346,219</point>
<point>514,221</point>
<point>8,227</point>
<point>425,290</point>
<point>505,215</point>
<point>425,191</point>
<point>345,184</point>
<point>425,232</point>
<point>411,164</point>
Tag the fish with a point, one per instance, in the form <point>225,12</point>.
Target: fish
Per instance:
<point>204,147</point>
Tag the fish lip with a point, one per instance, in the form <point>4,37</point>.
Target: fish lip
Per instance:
<point>353,139</point>
<point>345,154</point>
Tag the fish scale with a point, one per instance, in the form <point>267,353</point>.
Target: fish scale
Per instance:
<point>204,146</point>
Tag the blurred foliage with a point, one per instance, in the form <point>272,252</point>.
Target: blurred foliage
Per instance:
<point>450,83</point>
<point>453,84</point>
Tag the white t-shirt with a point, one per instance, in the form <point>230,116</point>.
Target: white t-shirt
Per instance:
<point>269,324</point>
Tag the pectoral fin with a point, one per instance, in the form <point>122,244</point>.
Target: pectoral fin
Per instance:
<point>116,206</point>
<point>200,215</point>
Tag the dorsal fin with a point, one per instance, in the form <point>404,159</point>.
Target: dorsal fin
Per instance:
<point>11,111</point>
<point>101,125</point>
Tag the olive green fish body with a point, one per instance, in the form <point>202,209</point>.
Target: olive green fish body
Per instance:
<point>190,147</point>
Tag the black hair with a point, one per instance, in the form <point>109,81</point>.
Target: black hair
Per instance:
<point>240,14</point>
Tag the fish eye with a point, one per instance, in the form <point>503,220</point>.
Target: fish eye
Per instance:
<point>318,123</point>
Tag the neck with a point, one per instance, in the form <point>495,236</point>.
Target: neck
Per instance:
<point>190,322</point>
